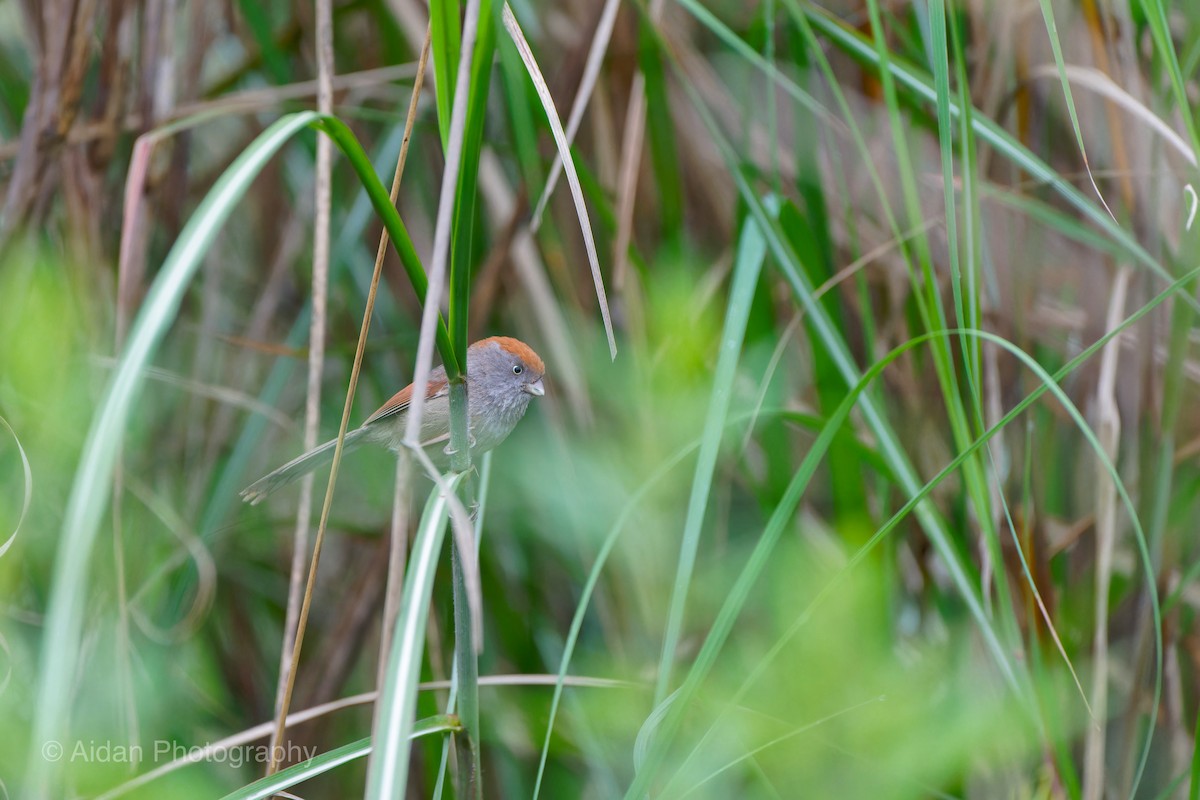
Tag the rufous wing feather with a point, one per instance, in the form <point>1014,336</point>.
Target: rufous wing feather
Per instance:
<point>401,400</point>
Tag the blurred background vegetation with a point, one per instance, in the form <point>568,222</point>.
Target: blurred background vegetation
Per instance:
<point>891,487</point>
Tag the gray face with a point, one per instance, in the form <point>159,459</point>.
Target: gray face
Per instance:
<point>499,387</point>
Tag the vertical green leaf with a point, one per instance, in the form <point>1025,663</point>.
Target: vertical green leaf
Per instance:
<point>468,177</point>
<point>660,130</point>
<point>396,708</point>
<point>809,237</point>
<point>750,255</point>
<point>445,48</point>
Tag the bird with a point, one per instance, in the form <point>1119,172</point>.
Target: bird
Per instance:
<point>503,376</point>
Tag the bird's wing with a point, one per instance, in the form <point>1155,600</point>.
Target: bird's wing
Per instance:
<point>438,387</point>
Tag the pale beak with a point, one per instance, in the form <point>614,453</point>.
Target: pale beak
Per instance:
<point>536,388</point>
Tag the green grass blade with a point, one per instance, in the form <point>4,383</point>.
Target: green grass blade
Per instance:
<point>660,132</point>
<point>445,48</point>
<point>27,498</point>
<point>810,238</point>
<point>751,252</point>
<point>297,773</point>
<point>1163,476</point>
<point>668,716</point>
<point>348,251</point>
<point>924,289</point>
<point>461,260</point>
<point>258,20</point>
<point>778,78</point>
<point>461,263</point>
<point>1160,31</point>
<point>395,711</point>
<point>1060,64</point>
<point>320,764</point>
<point>966,301</point>
<point>1194,771</point>
<point>466,678</point>
<point>381,199</point>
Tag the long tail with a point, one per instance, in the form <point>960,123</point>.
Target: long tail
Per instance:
<point>299,467</point>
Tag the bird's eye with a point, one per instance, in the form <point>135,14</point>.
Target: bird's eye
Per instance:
<point>517,369</point>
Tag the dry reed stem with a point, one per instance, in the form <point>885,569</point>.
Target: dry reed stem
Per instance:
<point>300,595</point>
<point>398,528</point>
<point>1109,433</point>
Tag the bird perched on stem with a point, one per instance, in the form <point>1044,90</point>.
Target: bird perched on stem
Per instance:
<point>503,375</point>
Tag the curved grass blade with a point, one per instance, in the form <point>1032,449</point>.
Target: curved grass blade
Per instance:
<point>12,537</point>
<point>320,764</point>
<point>564,151</point>
<point>381,199</point>
<point>1100,83</point>
<point>1060,63</point>
<point>89,493</point>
